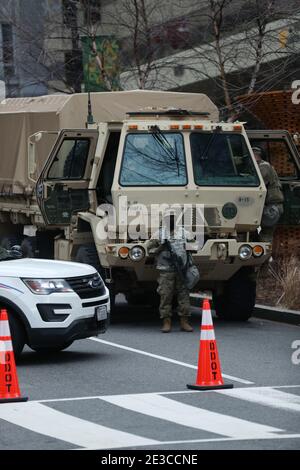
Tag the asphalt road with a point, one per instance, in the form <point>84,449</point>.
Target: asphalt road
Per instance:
<point>127,390</point>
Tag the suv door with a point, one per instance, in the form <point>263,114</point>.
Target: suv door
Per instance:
<point>63,186</point>
<point>279,149</point>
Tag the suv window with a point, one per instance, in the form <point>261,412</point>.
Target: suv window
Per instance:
<point>222,159</point>
<point>156,159</point>
<point>70,161</point>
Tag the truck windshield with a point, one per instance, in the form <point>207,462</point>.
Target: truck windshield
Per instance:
<point>221,159</point>
<point>153,160</point>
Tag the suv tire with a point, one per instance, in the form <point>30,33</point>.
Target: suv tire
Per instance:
<point>17,332</point>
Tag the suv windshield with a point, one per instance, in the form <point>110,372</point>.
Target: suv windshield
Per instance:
<point>154,159</point>
<point>221,159</point>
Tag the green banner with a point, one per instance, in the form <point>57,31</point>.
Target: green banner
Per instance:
<point>101,63</point>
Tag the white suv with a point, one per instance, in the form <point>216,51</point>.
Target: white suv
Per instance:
<point>52,303</point>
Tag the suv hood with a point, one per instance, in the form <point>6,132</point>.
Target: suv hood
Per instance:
<point>42,268</point>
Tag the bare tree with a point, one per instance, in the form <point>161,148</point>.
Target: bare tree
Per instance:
<point>136,23</point>
<point>56,48</point>
<point>234,45</point>
<point>243,36</point>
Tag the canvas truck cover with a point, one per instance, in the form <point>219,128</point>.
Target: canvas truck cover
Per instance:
<point>22,117</point>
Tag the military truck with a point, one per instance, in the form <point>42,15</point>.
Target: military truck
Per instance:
<point>60,178</point>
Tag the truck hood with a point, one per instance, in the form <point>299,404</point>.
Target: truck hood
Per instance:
<point>42,268</point>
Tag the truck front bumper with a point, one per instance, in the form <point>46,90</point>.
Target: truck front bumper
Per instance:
<point>218,259</point>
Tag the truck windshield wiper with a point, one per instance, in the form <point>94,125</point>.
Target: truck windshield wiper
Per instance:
<point>163,142</point>
<point>210,142</point>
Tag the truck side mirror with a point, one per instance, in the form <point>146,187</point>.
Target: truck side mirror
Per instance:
<point>32,140</point>
<point>32,153</point>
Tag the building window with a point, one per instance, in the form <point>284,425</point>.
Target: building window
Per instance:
<point>92,11</point>
<point>69,10</point>
<point>73,69</point>
<point>8,50</point>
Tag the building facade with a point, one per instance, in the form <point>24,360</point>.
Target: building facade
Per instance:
<point>148,43</point>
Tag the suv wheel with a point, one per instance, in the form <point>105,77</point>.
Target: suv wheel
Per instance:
<point>238,299</point>
<point>17,334</point>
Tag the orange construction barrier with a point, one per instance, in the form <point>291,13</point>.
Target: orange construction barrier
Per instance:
<point>9,386</point>
<point>209,375</point>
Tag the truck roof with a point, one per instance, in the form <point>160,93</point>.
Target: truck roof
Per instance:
<point>22,117</point>
<point>109,106</point>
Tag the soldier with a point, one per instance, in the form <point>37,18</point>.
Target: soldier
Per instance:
<point>274,200</point>
<point>170,243</point>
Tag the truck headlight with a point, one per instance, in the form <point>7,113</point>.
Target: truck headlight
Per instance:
<point>47,286</point>
<point>137,253</point>
<point>245,252</point>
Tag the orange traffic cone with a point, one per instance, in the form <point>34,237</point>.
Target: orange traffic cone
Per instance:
<point>9,386</point>
<point>209,374</point>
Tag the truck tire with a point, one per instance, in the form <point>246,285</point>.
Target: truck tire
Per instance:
<point>28,246</point>
<point>149,298</point>
<point>87,254</point>
<point>18,334</point>
<point>238,299</point>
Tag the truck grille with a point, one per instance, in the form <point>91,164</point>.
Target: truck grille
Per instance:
<point>87,287</point>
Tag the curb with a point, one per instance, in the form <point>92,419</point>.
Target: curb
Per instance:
<point>264,312</point>
<point>281,315</point>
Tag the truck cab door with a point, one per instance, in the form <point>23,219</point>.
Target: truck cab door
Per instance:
<point>63,186</point>
<point>280,150</point>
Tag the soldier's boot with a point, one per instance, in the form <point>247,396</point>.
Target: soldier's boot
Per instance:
<point>184,325</point>
<point>166,326</point>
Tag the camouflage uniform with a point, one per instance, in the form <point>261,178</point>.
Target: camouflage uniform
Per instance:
<point>274,198</point>
<point>170,282</point>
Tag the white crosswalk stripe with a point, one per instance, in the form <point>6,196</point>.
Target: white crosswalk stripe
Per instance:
<point>266,396</point>
<point>40,417</point>
<point>170,410</point>
<point>45,420</point>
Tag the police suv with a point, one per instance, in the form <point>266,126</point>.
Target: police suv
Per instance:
<point>52,303</point>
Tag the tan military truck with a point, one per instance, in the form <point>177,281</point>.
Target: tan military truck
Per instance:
<point>60,182</point>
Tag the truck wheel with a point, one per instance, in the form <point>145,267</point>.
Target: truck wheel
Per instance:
<point>28,246</point>
<point>18,334</point>
<point>51,349</point>
<point>238,299</point>
<point>135,299</point>
<point>146,298</point>
<point>87,254</point>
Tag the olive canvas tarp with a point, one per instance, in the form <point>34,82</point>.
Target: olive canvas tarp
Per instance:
<point>22,117</point>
